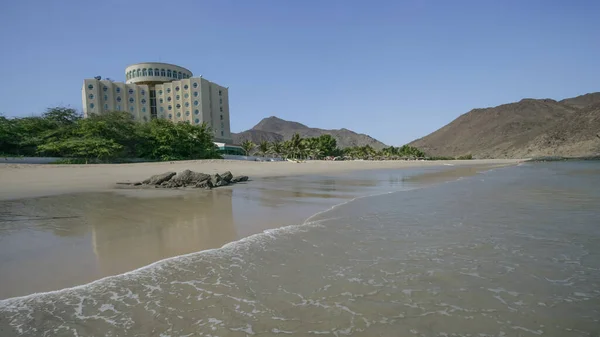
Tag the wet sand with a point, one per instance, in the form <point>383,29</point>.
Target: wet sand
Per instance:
<point>53,242</point>
<point>26,181</point>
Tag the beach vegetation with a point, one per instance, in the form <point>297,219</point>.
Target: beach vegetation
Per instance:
<point>110,137</point>
<point>248,146</point>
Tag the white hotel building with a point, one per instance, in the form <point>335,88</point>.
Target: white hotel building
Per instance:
<point>161,90</point>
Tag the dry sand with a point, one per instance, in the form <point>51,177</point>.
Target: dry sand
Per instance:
<point>25,181</point>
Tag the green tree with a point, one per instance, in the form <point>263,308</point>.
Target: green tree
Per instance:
<point>327,145</point>
<point>276,149</point>
<point>263,148</point>
<point>248,146</point>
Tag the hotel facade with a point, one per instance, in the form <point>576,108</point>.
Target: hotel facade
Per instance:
<point>161,90</point>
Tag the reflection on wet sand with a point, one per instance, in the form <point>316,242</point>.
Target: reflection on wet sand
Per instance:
<point>50,243</point>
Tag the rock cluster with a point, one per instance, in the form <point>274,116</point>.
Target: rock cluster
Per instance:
<point>189,178</point>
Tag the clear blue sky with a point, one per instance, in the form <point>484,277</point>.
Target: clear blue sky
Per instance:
<point>395,70</point>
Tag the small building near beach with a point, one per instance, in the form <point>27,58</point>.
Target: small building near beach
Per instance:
<point>161,90</point>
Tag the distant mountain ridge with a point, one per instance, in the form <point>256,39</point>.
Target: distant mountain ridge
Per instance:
<point>274,129</point>
<point>528,128</point>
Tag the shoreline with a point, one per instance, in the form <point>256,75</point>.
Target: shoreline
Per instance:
<point>249,239</point>
<point>21,181</point>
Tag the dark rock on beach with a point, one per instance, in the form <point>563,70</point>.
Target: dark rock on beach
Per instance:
<point>239,179</point>
<point>188,178</point>
<point>159,178</point>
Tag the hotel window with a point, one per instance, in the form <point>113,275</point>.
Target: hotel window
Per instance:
<point>139,73</point>
<point>187,104</point>
<point>106,97</point>
<point>131,91</point>
<point>195,94</point>
<point>195,102</point>
<point>174,74</point>
<point>160,92</point>
<point>222,125</point>
<point>186,87</point>
<point>162,73</point>
<point>178,114</point>
<point>143,92</point>
<point>150,72</point>
<point>170,116</point>
<point>105,89</point>
<point>170,107</point>
<point>221,117</point>
<point>186,95</point>
<point>143,101</point>
<point>222,134</point>
<point>177,97</point>
<point>219,92</point>
<point>187,113</point>
<point>160,101</point>
<point>105,106</point>
<point>91,96</point>
<point>195,85</point>
<point>144,72</point>
<point>178,106</point>
<point>144,109</point>
<point>90,87</point>
<point>220,101</point>
<point>221,108</point>
<point>118,107</point>
<point>131,100</point>
<point>169,98</point>
<point>168,90</point>
<point>179,75</point>
<point>91,105</point>
<point>118,90</point>
<point>196,112</point>
<point>118,98</point>
<point>168,72</point>
<point>177,88</point>
<point>197,121</point>
<point>131,108</point>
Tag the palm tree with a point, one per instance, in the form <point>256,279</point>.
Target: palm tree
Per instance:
<point>263,148</point>
<point>248,146</point>
<point>296,147</point>
<point>276,149</point>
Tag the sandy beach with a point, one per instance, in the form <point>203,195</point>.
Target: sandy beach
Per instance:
<point>26,181</point>
<point>75,219</point>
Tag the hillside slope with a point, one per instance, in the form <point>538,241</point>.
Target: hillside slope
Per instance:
<point>277,129</point>
<point>530,127</point>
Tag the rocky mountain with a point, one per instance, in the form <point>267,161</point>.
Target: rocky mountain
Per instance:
<point>276,129</point>
<point>528,128</point>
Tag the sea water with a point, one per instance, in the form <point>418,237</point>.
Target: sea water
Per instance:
<point>508,252</point>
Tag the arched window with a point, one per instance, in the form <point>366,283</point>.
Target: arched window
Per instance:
<point>139,73</point>
<point>144,72</point>
<point>174,74</point>
<point>127,76</point>
<point>156,72</point>
<point>168,72</point>
<point>179,75</point>
<point>162,73</point>
<point>150,72</point>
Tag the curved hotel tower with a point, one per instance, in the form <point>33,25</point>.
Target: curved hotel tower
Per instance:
<point>161,90</point>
